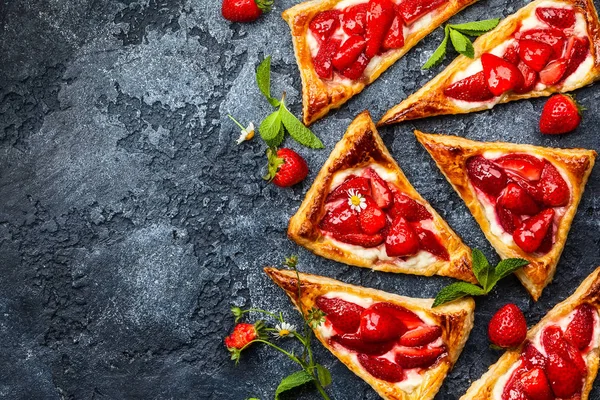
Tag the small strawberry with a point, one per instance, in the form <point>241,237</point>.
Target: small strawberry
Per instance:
<point>507,327</point>
<point>343,315</point>
<point>377,325</point>
<point>408,318</point>
<point>553,188</point>
<point>532,357</point>
<point>380,16</point>
<point>421,336</point>
<point>535,54</point>
<point>418,357</point>
<point>381,368</point>
<point>524,165</point>
<point>242,335</point>
<point>561,18</point>
<point>535,385</point>
<point>553,72</point>
<point>565,379</point>
<point>354,342</point>
<point>358,183</point>
<point>379,188</point>
<point>244,10</point>
<point>507,219</point>
<point>324,24</point>
<point>286,167</point>
<point>553,37</point>
<point>356,70</point>
<point>517,200</point>
<point>429,242</point>
<point>354,19</point>
<point>500,75</point>
<point>349,52</point>
<point>401,240</point>
<point>323,62</point>
<point>529,78</point>
<point>395,36</point>
<point>511,54</point>
<point>412,10</point>
<point>580,329</point>
<point>577,51</point>
<point>340,219</point>
<point>372,219</point>
<point>471,88</point>
<point>561,114</point>
<point>531,233</point>
<point>486,175</point>
<point>360,239</point>
<point>408,208</point>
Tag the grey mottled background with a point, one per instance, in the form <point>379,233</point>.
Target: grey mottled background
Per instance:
<point>130,221</point>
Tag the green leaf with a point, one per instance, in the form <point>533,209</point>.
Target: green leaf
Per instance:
<point>508,266</point>
<point>439,53</point>
<point>293,381</point>
<point>298,131</point>
<point>482,270</point>
<point>462,44</point>
<point>263,80</point>
<point>324,375</point>
<point>270,128</point>
<point>274,163</point>
<point>456,291</point>
<point>476,28</point>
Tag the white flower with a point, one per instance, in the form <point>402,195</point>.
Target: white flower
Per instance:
<point>246,133</point>
<point>284,329</point>
<point>356,201</point>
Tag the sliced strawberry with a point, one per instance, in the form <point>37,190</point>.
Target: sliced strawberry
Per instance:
<point>354,19</point>
<point>421,336</point>
<point>343,315</point>
<point>408,318</point>
<point>532,358</point>
<point>547,242</point>
<point>554,189</point>
<point>358,183</point>
<point>381,368</point>
<point>551,36</point>
<point>377,325</point>
<point>561,18</point>
<point>486,176</point>
<point>507,219</point>
<point>401,239</point>
<point>513,390</point>
<point>418,357</point>
<point>324,24</point>
<point>535,54</point>
<point>349,52</point>
<point>429,242</point>
<point>530,234</point>
<point>372,219</point>
<point>323,61</point>
<point>354,342</point>
<point>380,16</point>
<point>577,359</point>
<point>517,200</point>
<point>411,10</point>
<point>553,72</point>
<point>394,39</point>
<point>408,208</point>
<point>525,165</point>
<point>341,219</point>
<point>565,379</point>
<point>577,51</point>
<point>356,70</point>
<point>531,187</point>
<point>500,75</point>
<point>471,88</point>
<point>580,330</point>
<point>553,341</point>
<point>360,239</point>
<point>535,385</point>
<point>511,54</point>
<point>379,188</point>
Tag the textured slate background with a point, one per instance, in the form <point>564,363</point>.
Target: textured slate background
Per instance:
<point>130,221</point>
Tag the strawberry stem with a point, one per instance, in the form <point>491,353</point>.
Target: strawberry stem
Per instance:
<point>264,5</point>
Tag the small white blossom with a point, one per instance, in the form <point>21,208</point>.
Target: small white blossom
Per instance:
<point>356,201</point>
<point>246,133</point>
<point>284,329</point>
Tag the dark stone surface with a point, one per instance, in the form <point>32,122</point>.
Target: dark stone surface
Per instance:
<point>130,221</point>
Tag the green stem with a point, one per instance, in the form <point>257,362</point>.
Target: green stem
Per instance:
<point>275,316</point>
<point>321,389</point>
<point>290,355</point>
<point>237,123</point>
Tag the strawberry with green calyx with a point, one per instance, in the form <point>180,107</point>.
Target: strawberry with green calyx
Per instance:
<point>243,335</point>
<point>561,114</point>
<point>286,167</point>
<point>245,10</point>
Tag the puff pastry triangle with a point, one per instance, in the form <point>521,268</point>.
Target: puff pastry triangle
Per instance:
<point>569,60</point>
<point>328,224</point>
<point>508,372</point>
<point>548,180</point>
<point>323,86</point>
<point>425,366</point>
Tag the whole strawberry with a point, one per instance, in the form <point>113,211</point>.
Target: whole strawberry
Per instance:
<point>245,10</point>
<point>561,114</point>
<point>286,167</point>
<point>508,327</point>
<point>242,335</point>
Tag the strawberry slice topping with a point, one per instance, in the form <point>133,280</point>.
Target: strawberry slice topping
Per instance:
<point>343,315</point>
<point>535,385</point>
<point>408,318</point>
<point>421,336</point>
<point>354,342</point>
<point>349,52</point>
<point>341,219</point>
<point>553,72</point>
<point>378,325</point>
<point>513,389</point>
<point>412,10</point>
<point>354,19</point>
<point>565,379</point>
<point>554,189</point>
<point>577,51</point>
<point>511,54</point>
<point>561,18</point>
<point>535,54</point>
<point>529,78</point>
<point>553,37</point>
<point>532,357</point>
<point>430,243</point>
<point>516,199</point>
<point>380,15</point>
<point>525,165</point>
<point>418,357</point>
<point>471,88</point>
<point>530,234</point>
<point>408,208</point>
<point>507,219</point>
<point>381,368</point>
<point>360,239</point>
<point>380,189</point>
<point>356,70</point>
<point>580,329</point>
<point>324,24</point>
<point>500,75</point>
<point>486,176</point>
<point>323,61</point>
<point>395,36</point>
<point>372,219</point>
<point>358,183</point>
<point>401,240</point>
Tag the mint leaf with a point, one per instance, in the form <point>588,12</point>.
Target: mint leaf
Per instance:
<point>508,266</point>
<point>270,128</point>
<point>263,80</point>
<point>298,131</point>
<point>439,53</point>
<point>324,375</point>
<point>456,291</point>
<point>476,28</point>
<point>293,381</point>
<point>482,270</point>
<point>462,44</point>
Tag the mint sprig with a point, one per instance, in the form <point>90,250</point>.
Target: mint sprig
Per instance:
<point>273,128</point>
<point>457,33</point>
<point>486,276</point>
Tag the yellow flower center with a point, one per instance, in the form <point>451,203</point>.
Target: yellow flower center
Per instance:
<point>284,332</point>
<point>355,200</point>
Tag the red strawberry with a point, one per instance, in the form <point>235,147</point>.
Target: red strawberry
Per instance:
<point>286,168</point>
<point>349,52</point>
<point>535,54</point>
<point>577,51</point>
<point>554,342</point>
<point>529,78</point>
<point>324,24</point>
<point>517,200</point>
<point>507,327</point>
<point>341,219</point>
<point>486,176</point>
<point>408,318</point>
<point>378,325</point>
<point>561,18</point>
<point>354,19</point>
<point>323,60</point>
<point>394,39</point>
<point>553,72</point>
<point>525,165</point>
<point>380,189</point>
<point>530,234</point>
<point>535,385</point>
<point>531,187</point>
<point>513,390</point>
<point>408,208</point>
<point>244,10</point>
<point>471,88</point>
<point>507,219</point>
<point>380,16</point>
<point>358,183</point>
<point>354,342</point>
<point>356,70</point>
<point>532,357</point>
<point>429,242</point>
<point>372,219</point>
<point>421,336</point>
<point>547,243</point>
<point>500,75</point>
<point>552,37</point>
<point>401,239</point>
<point>580,329</point>
<point>418,357</point>
<point>241,336</point>
<point>381,368</point>
<point>511,54</point>
<point>565,379</point>
<point>360,239</point>
<point>343,315</point>
<point>555,191</point>
<point>411,10</point>
<point>560,115</point>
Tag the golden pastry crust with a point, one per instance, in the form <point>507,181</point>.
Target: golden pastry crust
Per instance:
<point>430,99</point>
<point>360,147</point>
<point>455,319</point>
<point>588,292</point>
<point>451,153</point>
<point>319,96</point>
